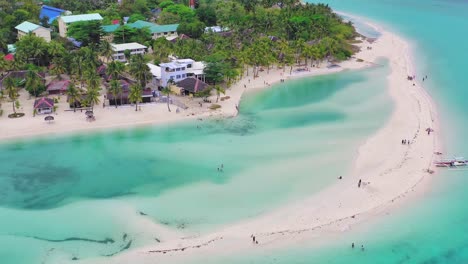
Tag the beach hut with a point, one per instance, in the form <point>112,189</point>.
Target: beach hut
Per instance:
<point>58,87</point>
<point>123,97</point>
<point>21,76</point>
<point>44,105</point>
<point>191,86</point>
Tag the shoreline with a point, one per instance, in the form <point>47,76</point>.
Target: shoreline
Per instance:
<point>391,172</point>
<point>68,122</point>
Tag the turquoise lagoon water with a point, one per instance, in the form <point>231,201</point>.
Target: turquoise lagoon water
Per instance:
<point>434,228</point>
<point>95,195</point>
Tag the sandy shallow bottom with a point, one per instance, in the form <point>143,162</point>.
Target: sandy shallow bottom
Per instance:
<point>387,169</point>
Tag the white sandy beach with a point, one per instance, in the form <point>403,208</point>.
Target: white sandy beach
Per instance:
<point>388,170</point>
<point>109,117</point>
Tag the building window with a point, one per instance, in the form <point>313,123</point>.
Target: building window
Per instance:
<point>178,76</point>
<point>183,75</point>
<point>183,68</point>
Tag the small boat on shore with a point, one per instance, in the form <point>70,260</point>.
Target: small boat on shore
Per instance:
<point>452,163</point>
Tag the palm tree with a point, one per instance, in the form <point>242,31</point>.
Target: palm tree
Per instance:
<point>56,49</point>
<point>73,94</point>
<point>219,91</point>
<point>92,96</point>
<point>12,91</point>
<point>139,69</point>
<point>135,95</point>
<point>115,69</point>
<point>93,81</point>
<point>39,50</point>
<point>115,89</point>
<point>106,50</point>
<point>3,64</point>
<point>32,82</point>
<point>78,68</point>
<point>59,67</point>
<point>167,91</point>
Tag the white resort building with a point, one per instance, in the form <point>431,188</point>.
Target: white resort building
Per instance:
<point>64,21</point>
<point>134,48</point>
<point>27,27</point>
<point>176,70</point>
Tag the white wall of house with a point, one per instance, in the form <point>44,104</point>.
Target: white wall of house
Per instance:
<point>21,34</point>
<point>40,32</point>
<point>120,56</point>
<point>180,69</point>
<point>177,71</point>
<point>44,110</point>
<point>170,34</point>
<point>62,27</point>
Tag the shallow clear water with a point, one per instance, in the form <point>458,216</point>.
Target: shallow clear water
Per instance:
<point>433,229</point>
<point>98,194</point>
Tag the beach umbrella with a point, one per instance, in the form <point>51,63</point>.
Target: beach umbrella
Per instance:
<point>49,118</point>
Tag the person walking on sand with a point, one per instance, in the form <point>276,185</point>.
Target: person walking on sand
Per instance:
<point>359,184</point>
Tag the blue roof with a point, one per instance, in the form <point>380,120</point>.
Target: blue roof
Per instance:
<point>27,27</point>
<point>75,42</point>
<point>50,12</point>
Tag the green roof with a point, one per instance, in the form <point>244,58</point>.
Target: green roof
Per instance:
<point>164,28</point>
<point>110,28</point>
<point>141,24</point>
<point>27,27</point>
<point>154,28</point>
<point>84,17</point>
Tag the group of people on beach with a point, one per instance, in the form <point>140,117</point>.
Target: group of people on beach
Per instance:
<point>254,240</point>
<point>405,141</point>
<point>429,130</point>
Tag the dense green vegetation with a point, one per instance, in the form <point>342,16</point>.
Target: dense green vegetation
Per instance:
<point>256,34</point>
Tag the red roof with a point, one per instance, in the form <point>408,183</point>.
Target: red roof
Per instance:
<point>44,103</point>
<point>9,57</point>
<point>115,21</point>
